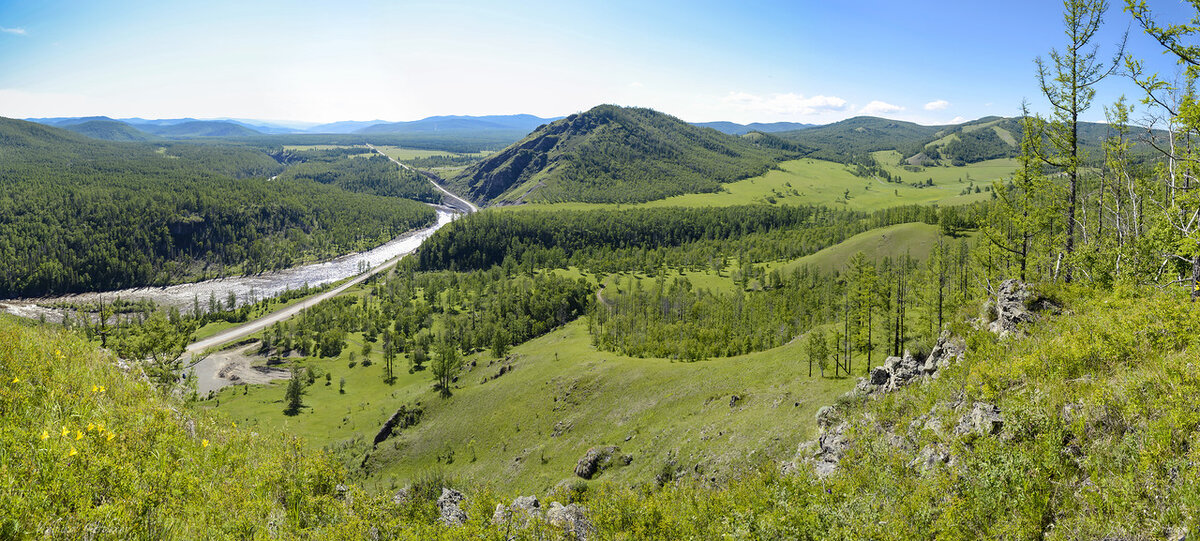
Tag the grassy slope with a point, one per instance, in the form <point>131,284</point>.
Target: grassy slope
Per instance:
<point>604,415</point>
<point>1098,442</point>
<point>671,410</point>
<point>819,182</point>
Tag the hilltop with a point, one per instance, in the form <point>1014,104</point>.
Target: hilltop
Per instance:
<point>617,154</point>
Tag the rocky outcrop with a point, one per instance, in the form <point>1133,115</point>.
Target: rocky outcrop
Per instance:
<point>897,372</point>
<point>403,418</point>
<point>984,419</point>
<point>448,506</point>
<point>597,459</point>
<point>523,512</point>
<point>571,519</point>
<point>1013,306</point>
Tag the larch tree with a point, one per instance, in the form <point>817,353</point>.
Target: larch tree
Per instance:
<point>1068,81</point>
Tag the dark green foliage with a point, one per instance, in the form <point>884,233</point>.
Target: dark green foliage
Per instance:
<point>613,154</point>
<point>294,396</point>
<point>80,214</point>
<point>108,130</point>
<point>646,239</point>
<point>373,175</point>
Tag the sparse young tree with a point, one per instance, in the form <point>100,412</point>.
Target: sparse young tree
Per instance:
<point>1068,81</point>
<point>446,365</point>
<point>294,395</point>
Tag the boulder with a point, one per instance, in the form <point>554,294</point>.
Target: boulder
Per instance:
<point>523,511</point>
<point>571,519</point>
<point>448,506</point>
<point>984,419</point>
<point>595,460</point>
<point>930,457</point>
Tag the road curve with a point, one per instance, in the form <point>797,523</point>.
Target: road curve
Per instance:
<point>470,208</point>
<point>250,327</point>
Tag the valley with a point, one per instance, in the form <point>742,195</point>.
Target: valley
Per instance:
<point>768,271</point>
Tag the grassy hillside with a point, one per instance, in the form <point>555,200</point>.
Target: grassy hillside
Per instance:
<point>820,182</point>
<point>615,154</point>
<point>525,430</point>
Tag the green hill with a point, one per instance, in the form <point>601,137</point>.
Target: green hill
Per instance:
<point>108,130</point>
<point>81,214</point>
<point>613,154</point>
<point>201,128</point>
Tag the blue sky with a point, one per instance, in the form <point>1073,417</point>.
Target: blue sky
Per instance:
<point>803,61</point>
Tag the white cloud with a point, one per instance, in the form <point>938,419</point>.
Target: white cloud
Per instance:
<point>783,104</point>
<point>879,108</point>
<point>958,120</point>
<point>937,105</point>
<point>17,31</point>
<point>636,84</point>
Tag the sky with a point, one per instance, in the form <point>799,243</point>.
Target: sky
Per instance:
<point>746,61</point>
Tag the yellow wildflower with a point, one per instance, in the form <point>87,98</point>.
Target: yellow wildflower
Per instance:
<point>235,425</point>
<point>91,427</point>
<point>110,436</point>
<point>101,388</point>
<point>95,388</point>
<point>204,443</point>
<point>78,435</point>
<point>65,432</point>
<point>16,380</point>
<point>73,452</point>
<point>100,427</point>
<point>45,435</point>
<point>57,353</point>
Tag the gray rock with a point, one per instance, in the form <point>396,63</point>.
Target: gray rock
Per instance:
<point>826,416</point>
<point>523,511</point>
<point>984,419</point>
<point>830,447</point>
<point>1009,310</point>
<point>571,519</point>
<point>448,505</point>
<point>402,496</point>
<point>880,375</point>
<point>930,457</point>
<point>594,461</point>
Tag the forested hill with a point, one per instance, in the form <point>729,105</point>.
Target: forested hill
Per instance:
<point>84,214</point>
<point>614,154</point>
<point>852,140</point>
<point>107,129</point>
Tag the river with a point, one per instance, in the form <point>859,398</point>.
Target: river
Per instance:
<point>246,288</point>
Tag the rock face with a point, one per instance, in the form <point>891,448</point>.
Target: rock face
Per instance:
<point>571,519</point>
<point>1005,313</point>
<point>830,447</point>
<point>448,505</point>
<point>597,459</point>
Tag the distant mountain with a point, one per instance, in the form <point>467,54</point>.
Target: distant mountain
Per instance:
<point>492,123</point>
<point>617,154</point>
<point>199,128</point>
<point>344,126</point>
<point>108,130</point>
<point>733,128</point>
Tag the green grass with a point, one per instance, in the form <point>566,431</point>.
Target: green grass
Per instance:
<point>819,182</point>
<point>500,432</point>
<point>401,153</point>
<point>913,239</point>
